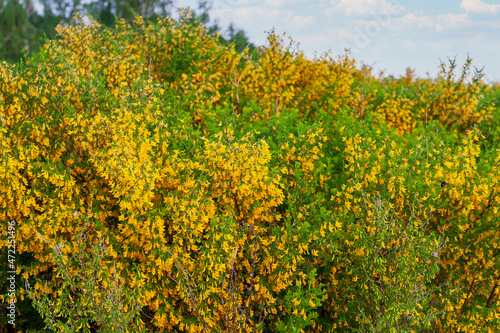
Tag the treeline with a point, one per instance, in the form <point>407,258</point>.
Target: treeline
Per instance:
<point>26,25</point>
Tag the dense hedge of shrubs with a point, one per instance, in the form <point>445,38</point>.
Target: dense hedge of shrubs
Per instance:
<point>162,181</point>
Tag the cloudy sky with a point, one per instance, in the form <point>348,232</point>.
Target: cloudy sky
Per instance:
<point>389,35</point>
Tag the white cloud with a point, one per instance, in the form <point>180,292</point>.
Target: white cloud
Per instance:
<point>255,16</point>
<point>436,22</point>
<point>380,30</point>
<point>410,21</point>
<point>488,24</point>
<point>363,7</point>
<point>451,21</point>
<point>255,21</point>
<point>279,3</point>
<point>478,6</point>
<point>275,3</point>
<point>315,45</point>
<point>311,43</point>
<point>339,34</point>
<point>299,21</point>
<point>410,44</point>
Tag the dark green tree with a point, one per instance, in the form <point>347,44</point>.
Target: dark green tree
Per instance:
<point>232,35</point>
<point>24,29</point>
<point>239,39</point>
<point>17,32</point>
<point>106,11</point>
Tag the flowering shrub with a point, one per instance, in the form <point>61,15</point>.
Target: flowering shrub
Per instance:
<point>162,181</point>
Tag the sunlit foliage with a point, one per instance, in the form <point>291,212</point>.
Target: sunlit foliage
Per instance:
<point>163,181</point>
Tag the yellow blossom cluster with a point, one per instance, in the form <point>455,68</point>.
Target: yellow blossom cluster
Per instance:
<point>159,180</point>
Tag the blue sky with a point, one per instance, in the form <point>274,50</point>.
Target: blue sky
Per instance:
<point>389,35</point>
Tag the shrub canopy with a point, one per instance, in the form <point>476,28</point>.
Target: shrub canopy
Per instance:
<point>161,180</point>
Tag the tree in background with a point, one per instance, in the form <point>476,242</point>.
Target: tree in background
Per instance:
<point>233,35</point>
<point>106,11</point>
<point>16,30</point>
<point>23,29</point>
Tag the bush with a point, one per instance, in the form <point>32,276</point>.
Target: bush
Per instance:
<point>162,181</point>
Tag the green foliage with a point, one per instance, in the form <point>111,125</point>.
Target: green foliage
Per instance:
<point>95,299</point>
<point>162,180</point>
